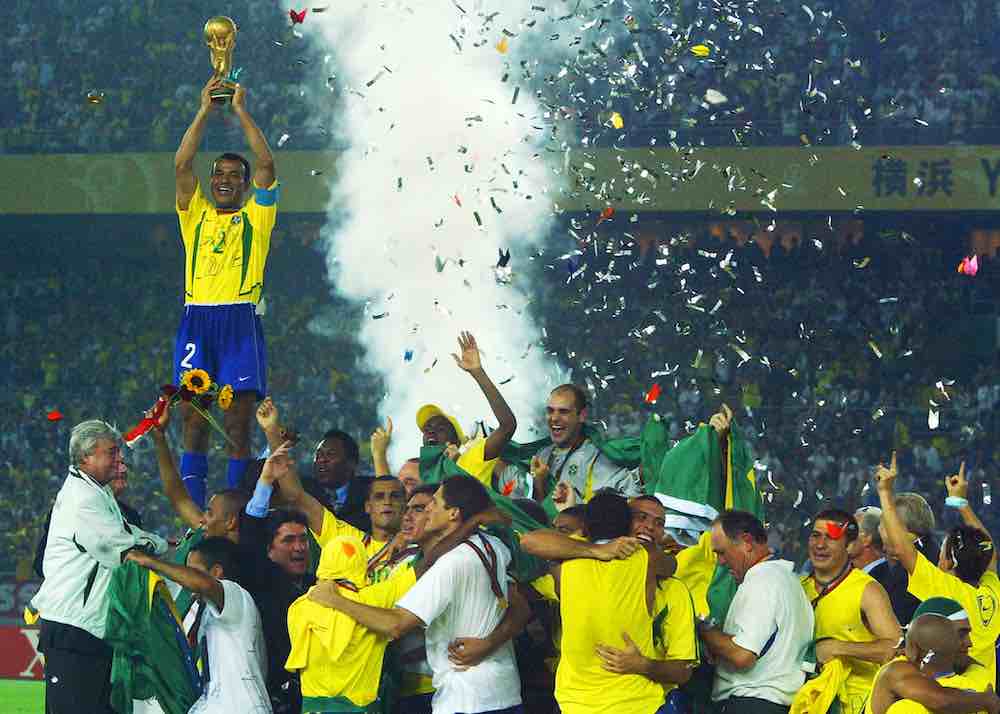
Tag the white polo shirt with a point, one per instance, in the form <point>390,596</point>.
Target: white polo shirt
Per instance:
<point>233,640</point>
<point>771,617</point>
<point>455,599</point>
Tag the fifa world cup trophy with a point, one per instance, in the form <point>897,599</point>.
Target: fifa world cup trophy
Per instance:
<point>220,36</point>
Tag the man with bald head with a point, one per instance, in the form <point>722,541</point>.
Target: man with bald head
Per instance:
<point>932,651</point>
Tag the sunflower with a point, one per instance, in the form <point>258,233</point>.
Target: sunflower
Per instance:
<point>225,398</point>
<point>196,380</point>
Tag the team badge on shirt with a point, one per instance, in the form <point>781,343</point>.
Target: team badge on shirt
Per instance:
<point>987,608</point>
<point>236,220</point>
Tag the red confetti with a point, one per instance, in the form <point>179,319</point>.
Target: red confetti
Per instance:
<point>55,415</point>
<point>653,394</point>
<point>457,200</point>
<point>969,266</point>
<point>297,17</point>
<point>605,215</point>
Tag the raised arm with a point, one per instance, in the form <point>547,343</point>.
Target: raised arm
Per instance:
<point>471,363</point>
<point>268,419</point>
<point>283,471</point>
<point>188,578</point>
<point>184,178</point>
<point>380,440</point>
<point>958,488</point>
<point>263,175</point>
<point>895,531</point>
<point>553,545</point>
<point>183,505</point>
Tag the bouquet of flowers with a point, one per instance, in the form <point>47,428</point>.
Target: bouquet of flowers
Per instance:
<point>198,390</point>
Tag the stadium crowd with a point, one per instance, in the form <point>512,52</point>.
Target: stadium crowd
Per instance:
<point>877,73</point>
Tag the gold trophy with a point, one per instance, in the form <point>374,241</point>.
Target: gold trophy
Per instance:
<point>220,36</point>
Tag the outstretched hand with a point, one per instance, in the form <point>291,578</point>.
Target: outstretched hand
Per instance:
<point>239,98</point>
<point>267,415</point>
<point>164,418</point>
<point>470,360</point>
<point>721,420</point>
<point>381,437</point>
<point>956,484</point>
<point>885,478</point>
<point>278,464</point>
<point>206,93</point>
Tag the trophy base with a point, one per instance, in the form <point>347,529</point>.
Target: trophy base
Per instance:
<point>224,94</point>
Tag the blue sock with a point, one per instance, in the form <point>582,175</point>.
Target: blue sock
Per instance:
<point>194,471</point>
<point>234,474</point>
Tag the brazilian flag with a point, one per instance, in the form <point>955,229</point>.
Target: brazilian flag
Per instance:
<point>151,653</point>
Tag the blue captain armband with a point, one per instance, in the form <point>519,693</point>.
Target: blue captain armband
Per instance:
<point>265,196</point>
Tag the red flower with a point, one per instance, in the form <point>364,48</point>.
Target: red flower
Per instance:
<point>186,394</point>
<point>168,390</point>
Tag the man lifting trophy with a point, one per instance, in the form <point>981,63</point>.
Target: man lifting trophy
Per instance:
<point>227,235</point>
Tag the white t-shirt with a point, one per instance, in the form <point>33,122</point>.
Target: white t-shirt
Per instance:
<point>771,617</point>
<point>454,599</point>
<point>236,662</point>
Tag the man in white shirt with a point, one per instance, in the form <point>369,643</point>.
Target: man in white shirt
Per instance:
<point>464,594</point>
<point>226,631</point>
<point>88,538</point>
<point>760,649</point>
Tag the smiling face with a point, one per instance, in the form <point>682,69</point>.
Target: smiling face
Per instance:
<point>564,420</point>
<point>438,431</point>
<point>229,184</point>
<point>827,554</point>
<point>385,504</point>
<point>647,520</point>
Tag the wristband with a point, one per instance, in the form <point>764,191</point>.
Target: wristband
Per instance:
<point>956,502</point>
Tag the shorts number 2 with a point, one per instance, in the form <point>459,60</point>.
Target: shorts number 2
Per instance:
<point>191,349</point>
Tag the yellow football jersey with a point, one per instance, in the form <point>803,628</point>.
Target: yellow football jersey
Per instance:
<point>225,253</point>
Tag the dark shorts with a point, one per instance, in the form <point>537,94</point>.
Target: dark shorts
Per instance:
<point>227,342</point>
<point>77,670</point>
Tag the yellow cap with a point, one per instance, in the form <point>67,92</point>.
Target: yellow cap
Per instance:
<point>432,410</point>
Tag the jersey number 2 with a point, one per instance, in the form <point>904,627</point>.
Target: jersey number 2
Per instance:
<point>191,349</point>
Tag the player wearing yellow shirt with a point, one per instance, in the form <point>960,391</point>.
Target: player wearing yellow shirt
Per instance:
<point>384,505</point>
<point>966,570</point>
<point>478,457</point>
<point>607,592</point>
<point>854,618</point>
<point>340,661</point>
<point>926,674</point>
<point>226,241</point>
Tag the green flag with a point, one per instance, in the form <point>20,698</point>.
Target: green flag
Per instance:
<point>151,653</point>
<point>193,538</point>
<point>435,467</point>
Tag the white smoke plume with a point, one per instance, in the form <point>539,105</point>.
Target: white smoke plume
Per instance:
<point>445,168</point>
